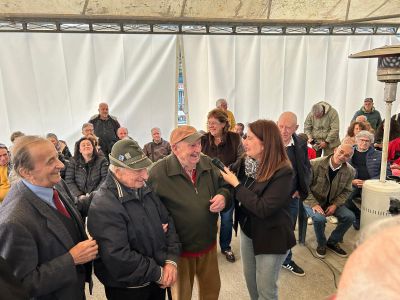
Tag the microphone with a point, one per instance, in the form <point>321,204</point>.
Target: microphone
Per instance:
<point>216,162</point>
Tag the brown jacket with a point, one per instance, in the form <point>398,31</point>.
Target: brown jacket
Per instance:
<point>319,187</point>
<point>228,151</point>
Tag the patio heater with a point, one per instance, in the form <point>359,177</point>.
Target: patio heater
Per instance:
<point>378,194</point>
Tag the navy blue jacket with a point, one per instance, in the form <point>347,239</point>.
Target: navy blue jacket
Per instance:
<point>374,158</point>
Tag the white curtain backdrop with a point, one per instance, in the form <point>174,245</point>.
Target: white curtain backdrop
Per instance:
<point>54,82</point>
<point>262,76</point>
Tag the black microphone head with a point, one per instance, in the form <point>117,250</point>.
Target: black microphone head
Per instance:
<point>216,162</point>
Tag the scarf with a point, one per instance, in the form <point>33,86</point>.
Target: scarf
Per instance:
<point>250,167</point>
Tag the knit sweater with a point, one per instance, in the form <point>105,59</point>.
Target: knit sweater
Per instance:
<point>4,183</point>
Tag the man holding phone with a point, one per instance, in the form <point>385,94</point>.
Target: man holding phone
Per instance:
<point>329,189</point>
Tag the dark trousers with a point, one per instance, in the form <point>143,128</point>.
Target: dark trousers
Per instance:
<point>294,210</point>
<point>150,292</point>
<point>356,193</point>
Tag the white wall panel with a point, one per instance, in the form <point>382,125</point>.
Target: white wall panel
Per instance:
<point>54,82</point>
<point>286,72</point>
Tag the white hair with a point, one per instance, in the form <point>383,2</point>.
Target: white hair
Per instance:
<point>365,134</point>
<point>220,101</point>
<point>371,271</point>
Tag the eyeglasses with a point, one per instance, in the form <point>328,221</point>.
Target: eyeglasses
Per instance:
<point>213,123</point>
<point>364,141</point>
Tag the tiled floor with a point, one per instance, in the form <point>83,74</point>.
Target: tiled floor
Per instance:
<point>318,283</point>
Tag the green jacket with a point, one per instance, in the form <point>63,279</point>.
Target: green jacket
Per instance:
<point>319,187</point>
<point>325,128</point>
<point>373,117</point>
<point>189,205</point>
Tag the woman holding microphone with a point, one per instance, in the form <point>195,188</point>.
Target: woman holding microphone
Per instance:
<point>262,196</point>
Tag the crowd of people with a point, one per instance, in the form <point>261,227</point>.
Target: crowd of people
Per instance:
<point>152,213</point>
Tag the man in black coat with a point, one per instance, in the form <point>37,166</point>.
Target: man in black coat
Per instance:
<point>297,152</point>
<point>139,247</point>
<point>105,127</point>
<point>41,231</point>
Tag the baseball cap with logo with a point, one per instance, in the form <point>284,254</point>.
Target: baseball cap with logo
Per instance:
<point>368,100</point>
<point>127,154</point>
<point>185,133</point>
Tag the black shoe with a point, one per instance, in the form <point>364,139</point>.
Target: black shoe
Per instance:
<point>337,250</point>
<point>356,224</point>
<point>321,251</point>
<point>229,255</point>
<point>295,269</point>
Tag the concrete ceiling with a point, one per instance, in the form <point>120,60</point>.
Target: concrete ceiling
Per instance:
<point>222,11</point>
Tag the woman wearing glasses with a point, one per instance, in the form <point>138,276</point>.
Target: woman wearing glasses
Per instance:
<point>227,146</point>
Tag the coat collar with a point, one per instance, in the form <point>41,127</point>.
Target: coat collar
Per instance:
<point>124,193</point>
<point>53,222</point>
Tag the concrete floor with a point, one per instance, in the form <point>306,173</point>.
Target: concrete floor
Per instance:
<point>322,275</point>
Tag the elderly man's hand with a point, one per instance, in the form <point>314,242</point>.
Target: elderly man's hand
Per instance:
<point>358,183</point>
<point>170,274</point>
<point>318,209</point>
<point>217,203</point>
<point>84,252</point>
<point>330,210</point>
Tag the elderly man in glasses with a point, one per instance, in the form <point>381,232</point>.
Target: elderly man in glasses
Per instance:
<point>367,162</point>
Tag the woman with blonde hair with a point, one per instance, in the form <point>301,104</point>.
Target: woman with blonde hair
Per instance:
<point>262,197</point>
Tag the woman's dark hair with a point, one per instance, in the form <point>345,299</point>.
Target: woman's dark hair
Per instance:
<point>78,154</point>
<point>221,116</point>
<point>394,130</point>
<point>350,129</point>
<point>274,156</point>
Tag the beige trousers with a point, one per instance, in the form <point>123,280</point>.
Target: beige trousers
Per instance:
<point>205,268</point>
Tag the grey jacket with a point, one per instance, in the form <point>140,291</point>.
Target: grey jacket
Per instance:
<point>319,187</point>
<point>325,128</point>
<point>35,243</point>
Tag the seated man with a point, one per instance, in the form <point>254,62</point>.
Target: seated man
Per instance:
<point>158,148</point>
<point>367,162</point>
<point>139,247</point>
<point>329,189</point>
<point>122,133</point>
<point>5,169</point>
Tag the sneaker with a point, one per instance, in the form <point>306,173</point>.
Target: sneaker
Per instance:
<point>295,269</point>
<point>337,250</point>
<point>332,219</point>
<point>229,255</point>
<point>321,251</point>
<point>309,221</point>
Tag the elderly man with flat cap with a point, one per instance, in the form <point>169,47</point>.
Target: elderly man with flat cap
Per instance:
<point>194,192</point>
<point>138,244</point>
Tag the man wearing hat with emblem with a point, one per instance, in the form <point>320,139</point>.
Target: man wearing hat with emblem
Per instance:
<point>138,244</point>
<point>194,192</point>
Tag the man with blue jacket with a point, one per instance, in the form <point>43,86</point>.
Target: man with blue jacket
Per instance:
<point>367,163</point>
